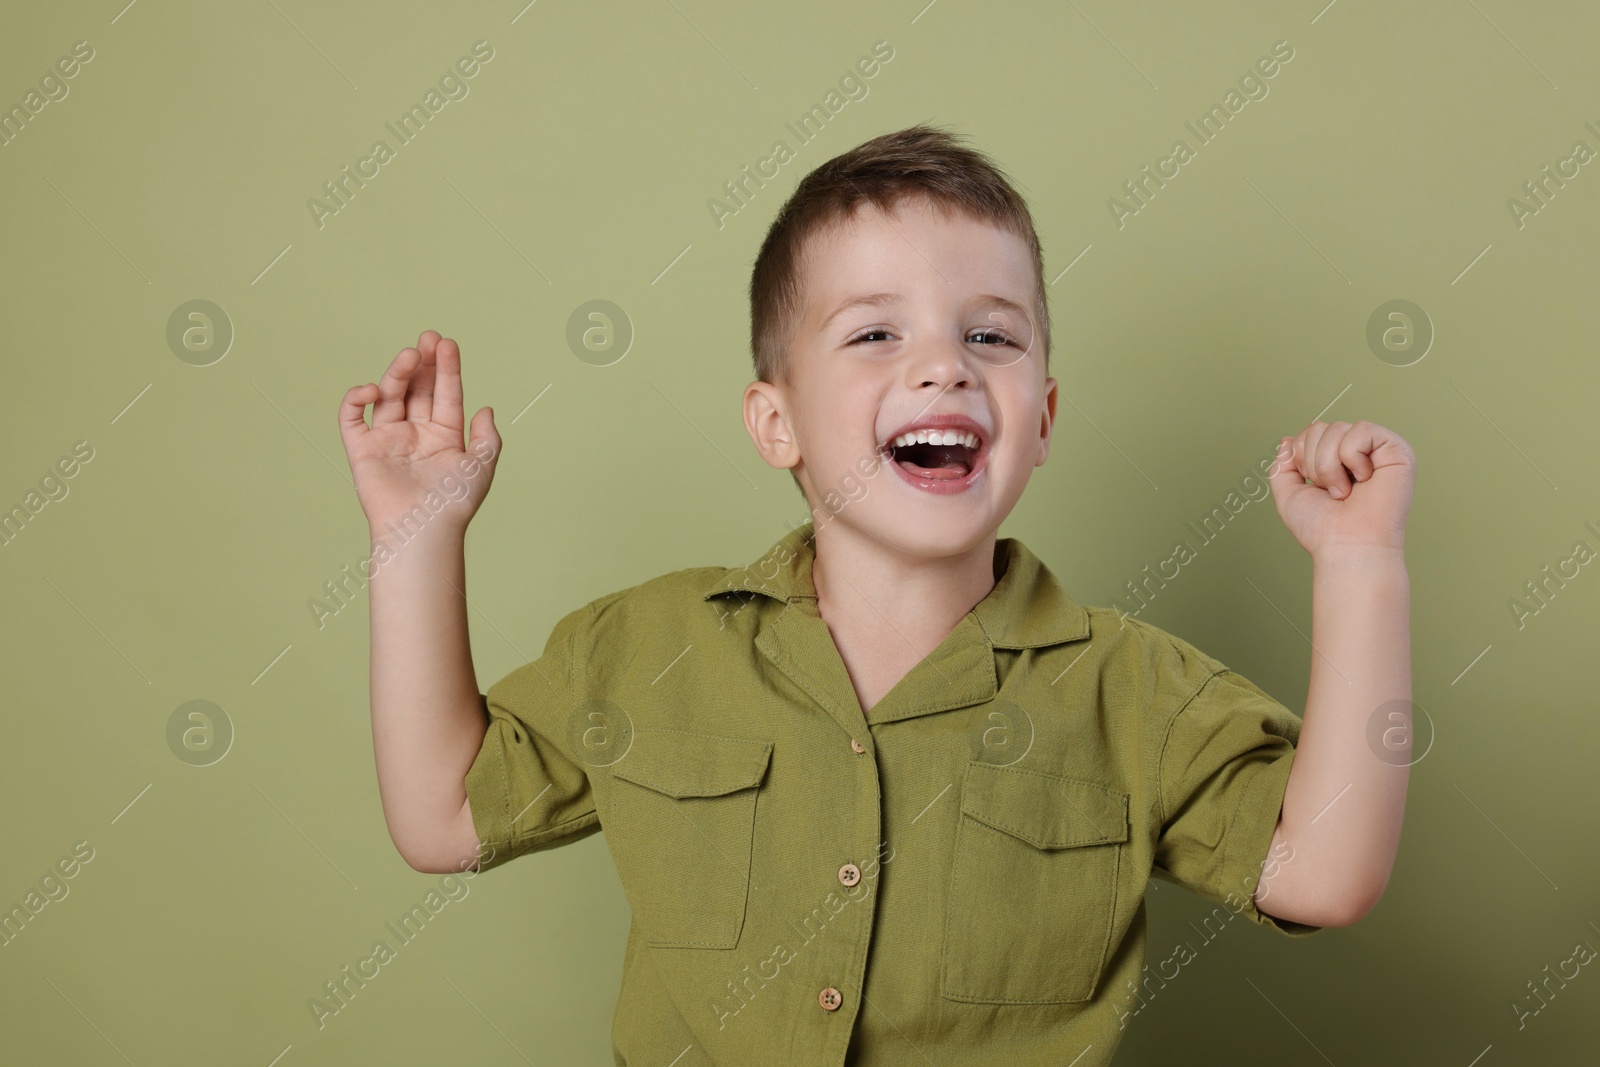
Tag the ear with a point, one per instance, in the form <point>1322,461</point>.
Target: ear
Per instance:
<point>1047,420</point>
<point>767,425</point>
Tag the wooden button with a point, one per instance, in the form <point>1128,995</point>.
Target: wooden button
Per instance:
<point>856,746</point>
<point>849,874</point>
<point>829,999</point>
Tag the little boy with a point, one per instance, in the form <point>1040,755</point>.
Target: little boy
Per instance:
<point>888,795</point>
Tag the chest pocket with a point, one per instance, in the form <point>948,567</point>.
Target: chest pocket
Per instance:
<point>1033,887</point>
<point>681,828</point>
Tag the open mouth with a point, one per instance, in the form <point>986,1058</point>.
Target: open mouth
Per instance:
<point>936,454</point>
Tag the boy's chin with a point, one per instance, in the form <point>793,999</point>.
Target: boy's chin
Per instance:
<point>950,532</point>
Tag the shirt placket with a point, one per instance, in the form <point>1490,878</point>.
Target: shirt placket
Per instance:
<point>959,673</point>
<point>798,644</point>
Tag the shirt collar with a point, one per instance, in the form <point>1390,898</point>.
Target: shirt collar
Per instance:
<point>1027,608</point>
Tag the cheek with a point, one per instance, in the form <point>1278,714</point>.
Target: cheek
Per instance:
<point>1021,450</point>
<point>840,455</point>
<point>845,428</point>
<point>1018,455</point>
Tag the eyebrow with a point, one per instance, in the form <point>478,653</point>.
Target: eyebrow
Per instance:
<point>869,300</point>
<point>884,299</point>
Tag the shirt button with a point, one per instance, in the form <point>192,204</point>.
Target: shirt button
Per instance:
<point>829,999</point>
<point>849,874</point>
<point>856,746</point>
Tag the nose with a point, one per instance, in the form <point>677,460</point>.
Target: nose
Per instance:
<point>941,365</point>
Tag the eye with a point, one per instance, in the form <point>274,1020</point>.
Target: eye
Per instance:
<point>1000,338</point>
<point>868,333</point>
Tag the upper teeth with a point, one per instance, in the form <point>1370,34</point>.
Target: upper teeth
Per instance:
<point>936,437</point>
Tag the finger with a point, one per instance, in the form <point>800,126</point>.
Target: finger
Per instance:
<point>419,400</point>
<point>1308,449</point>
<point>1286,476</point>
<point>1355,451</point>
<point>1284,461</point>
<point>353,414</point>
<point>447,407</point>
<point>391,405</point>
<point>1330,472</point>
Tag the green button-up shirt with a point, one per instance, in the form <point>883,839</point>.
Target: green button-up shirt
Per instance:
<point>955,876</point>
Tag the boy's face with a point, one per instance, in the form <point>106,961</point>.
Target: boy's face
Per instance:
<point>941,347</point>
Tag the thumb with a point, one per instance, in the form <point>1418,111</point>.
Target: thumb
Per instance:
<point>483,439</point>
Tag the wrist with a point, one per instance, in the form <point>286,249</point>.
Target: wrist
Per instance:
<point>405,532</point>
<point>1360,558</point>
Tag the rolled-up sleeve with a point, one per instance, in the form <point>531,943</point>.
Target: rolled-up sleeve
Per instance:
<point>1224,766</point>
<point>527,788</point>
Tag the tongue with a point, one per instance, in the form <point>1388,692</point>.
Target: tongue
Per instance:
<point>946,462</point>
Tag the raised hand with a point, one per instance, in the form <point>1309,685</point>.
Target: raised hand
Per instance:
<point>1360,493</point>
<point>411,457</point>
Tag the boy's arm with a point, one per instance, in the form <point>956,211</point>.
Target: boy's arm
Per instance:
<point>428,719</point>
<point>1344,803</point>
<point>419,489</point>
<point>1345,799</point>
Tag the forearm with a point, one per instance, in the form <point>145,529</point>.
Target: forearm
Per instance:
<point>428,719</point>
<point>1345,799</point>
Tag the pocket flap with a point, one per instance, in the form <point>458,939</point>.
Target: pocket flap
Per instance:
<point>693,765</point>
<point>1045,810</point>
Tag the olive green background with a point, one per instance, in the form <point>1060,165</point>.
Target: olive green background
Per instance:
<point>1228,312</point>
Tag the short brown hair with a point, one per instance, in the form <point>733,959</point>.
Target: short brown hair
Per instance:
<point>919,161</point>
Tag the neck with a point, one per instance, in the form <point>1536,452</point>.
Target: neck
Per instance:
<point>864,584</point>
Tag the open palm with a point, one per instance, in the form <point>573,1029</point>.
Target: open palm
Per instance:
<point>414,446</point>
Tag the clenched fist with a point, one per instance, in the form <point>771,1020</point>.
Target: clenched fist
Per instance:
<point>1359,494</point>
